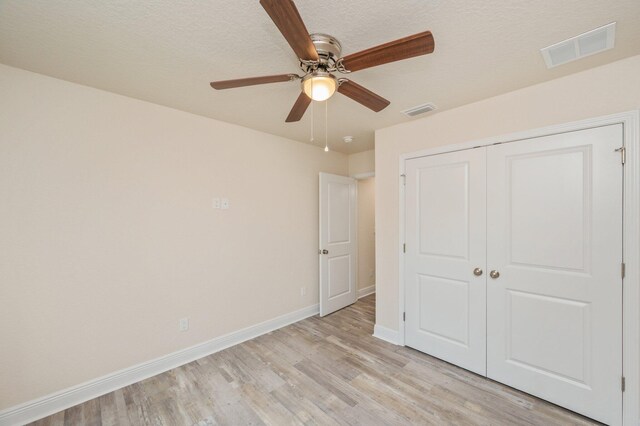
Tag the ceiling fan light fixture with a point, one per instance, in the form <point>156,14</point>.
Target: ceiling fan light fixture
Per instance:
<point>321,54</point>
<point>319,85</point>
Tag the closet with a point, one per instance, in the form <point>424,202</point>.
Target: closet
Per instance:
<point>512,265</point>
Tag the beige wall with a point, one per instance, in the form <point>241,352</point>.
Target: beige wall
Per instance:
<point>366,233</point>
<point>362,163</point>
<point>600,91</point>
<point>108,235</point>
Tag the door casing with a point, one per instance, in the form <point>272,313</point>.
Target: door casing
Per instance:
<point>631,237</point>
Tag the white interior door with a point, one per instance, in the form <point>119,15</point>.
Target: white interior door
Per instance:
<point>554,235</point>
<point>445,243</point>
<point>338,242</point>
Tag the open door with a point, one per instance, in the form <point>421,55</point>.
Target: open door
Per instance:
<point>338,242</point>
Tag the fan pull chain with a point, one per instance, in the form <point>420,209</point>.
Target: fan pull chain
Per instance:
<point>312,114</point>
<point>312,120</point>
<point>326,126</point>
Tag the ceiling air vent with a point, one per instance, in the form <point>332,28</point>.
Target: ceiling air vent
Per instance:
<point>587,44</point>
<point>417,110</point>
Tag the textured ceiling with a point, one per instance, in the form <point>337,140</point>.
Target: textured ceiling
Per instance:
<point>167,51</point>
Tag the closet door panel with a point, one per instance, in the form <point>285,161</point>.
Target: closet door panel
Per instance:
<point>554,236</point>
<point>445,242</point>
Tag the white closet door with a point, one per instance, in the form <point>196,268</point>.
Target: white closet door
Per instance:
<point>445,242</point>
<point>554,234</point>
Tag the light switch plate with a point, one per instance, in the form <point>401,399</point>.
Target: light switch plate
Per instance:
<point>225,203</point>
<point>183,324</point>
<point>216,203</point>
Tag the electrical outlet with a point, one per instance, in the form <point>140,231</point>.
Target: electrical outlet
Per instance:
<point>225,203</point>
<point>216,203</point>
<point>303,291</point>
<point>183,324</point>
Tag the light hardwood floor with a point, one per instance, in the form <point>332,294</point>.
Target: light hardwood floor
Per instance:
<point>318,371</point>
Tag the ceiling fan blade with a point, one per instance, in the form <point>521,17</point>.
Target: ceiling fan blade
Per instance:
<point>285,15</point>
<point>362,95</point>
<point>404,48</point>
<point>252,81</point>
<point>299,108</point>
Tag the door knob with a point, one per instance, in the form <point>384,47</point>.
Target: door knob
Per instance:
<point>477,272</point>
<point>494,274</point>
<point>325,251</point>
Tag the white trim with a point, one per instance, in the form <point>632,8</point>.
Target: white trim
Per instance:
<point>401,194</point>
<point>58,401</point>
<point>623,117</point>
<point>631,293</point>
<point>386,334</point>
<point>360,176</point>
<point>366,291</point>
<point>631,252</point>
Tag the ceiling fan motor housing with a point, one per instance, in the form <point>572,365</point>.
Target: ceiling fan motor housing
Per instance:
<point>329,48</point>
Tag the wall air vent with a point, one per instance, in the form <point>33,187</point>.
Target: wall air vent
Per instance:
<point>581,46</point>
<point>417,110</point>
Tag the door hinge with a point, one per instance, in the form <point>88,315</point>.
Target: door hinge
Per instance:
<point>623,154</point>
<point>404,317</point>
<point>623,268</point>
<point>404,247</point>
<point>623,383</point>
<point>404,179</point>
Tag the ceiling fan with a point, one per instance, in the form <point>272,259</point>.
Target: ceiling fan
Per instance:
<point>320,57</point>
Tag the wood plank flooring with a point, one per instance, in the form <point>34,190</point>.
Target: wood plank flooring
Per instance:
<point>318,371</point>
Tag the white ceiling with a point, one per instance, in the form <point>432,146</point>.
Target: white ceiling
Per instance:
<point>167,52</point>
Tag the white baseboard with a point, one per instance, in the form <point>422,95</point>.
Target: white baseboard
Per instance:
<point>366,291</point>
<point>58,401</point>
<point>386,334</point>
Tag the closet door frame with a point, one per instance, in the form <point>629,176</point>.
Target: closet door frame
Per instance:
<point>631,236</point>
